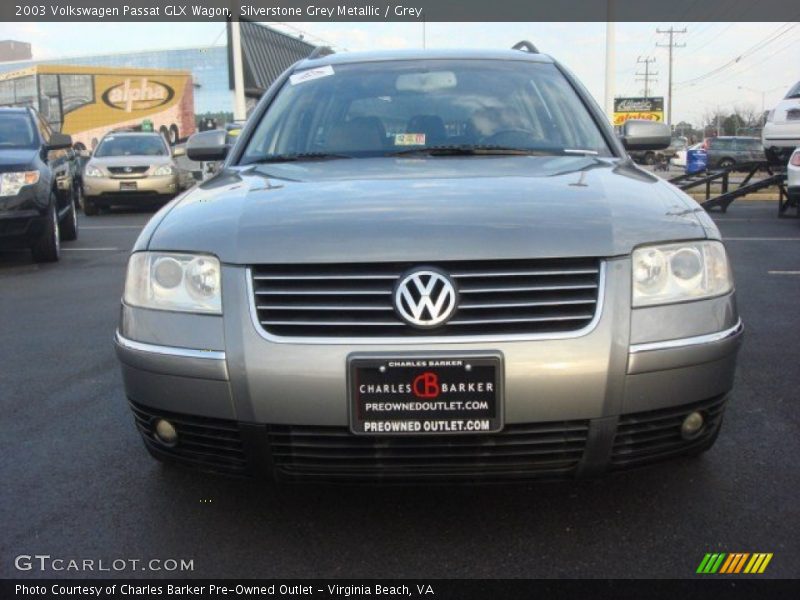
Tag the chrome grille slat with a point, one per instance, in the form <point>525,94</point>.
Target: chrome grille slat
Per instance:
<point>321,307</point>
<point>522,304</point>
<point>336,323</point>
<point>540,288</point>
<point>540,273</point>
<point>500,297</point>
<point>520,320</point>
<point>323,293</point>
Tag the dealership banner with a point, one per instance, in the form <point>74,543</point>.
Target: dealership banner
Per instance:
<point>404,10</point>
<point>649,109</point>
<point>433,589</point>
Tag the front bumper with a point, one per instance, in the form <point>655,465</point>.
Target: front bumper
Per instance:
<point>781,135</point>
<point>23,217</point>
<point>109,187</point>
<point>611,398</point>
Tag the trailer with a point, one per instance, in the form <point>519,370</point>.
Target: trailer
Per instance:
<point>722,176</point>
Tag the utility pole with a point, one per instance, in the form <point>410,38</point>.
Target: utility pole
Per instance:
<point>610,60</point>
<point>671,32</point>
<point>610,71</point>
<point>647,76</point>
<point>239,102</point>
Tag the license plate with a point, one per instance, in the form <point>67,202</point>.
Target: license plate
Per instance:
<point>127,186</point>
<point>430,395</point>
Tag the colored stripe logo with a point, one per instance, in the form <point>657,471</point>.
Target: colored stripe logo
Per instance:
<point>734,563</point>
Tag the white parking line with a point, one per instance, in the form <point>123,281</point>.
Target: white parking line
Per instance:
<point>90,249</point>
<point>761,239</point>
<point>111,226</point>
<point>784,272</point>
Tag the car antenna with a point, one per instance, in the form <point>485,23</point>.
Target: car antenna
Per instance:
<point>525,46</point>
<point>320,51</point>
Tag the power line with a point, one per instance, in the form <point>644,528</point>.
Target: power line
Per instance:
<point>647,76</point>
<point>694,88</point>
<point>779,32</point>
<point>671,32</point>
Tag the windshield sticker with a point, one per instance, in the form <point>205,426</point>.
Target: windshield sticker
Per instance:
<point>409,139</point>
<point>311,74</point>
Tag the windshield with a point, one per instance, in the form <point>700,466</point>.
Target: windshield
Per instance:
<point>794,92</point>
<point>131,145</point>
<point>16,131</point>
<point>399,107</point>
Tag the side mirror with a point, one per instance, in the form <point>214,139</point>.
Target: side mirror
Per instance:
<point>179,151</point>
<point>645,135</point>
<point>59,141</point>
<point>207,146</point>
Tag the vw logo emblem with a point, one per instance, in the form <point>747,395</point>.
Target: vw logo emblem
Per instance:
<point>425,298</point>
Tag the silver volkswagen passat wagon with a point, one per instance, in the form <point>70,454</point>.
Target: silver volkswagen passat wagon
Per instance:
<point>435,265</point>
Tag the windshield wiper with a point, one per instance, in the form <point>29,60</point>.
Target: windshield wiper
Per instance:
<point>299,156</point>
<point>473,150</point>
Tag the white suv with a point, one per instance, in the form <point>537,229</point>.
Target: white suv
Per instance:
<point>781,134</point>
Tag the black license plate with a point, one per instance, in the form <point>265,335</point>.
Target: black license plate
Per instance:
<point>425,396</point>
<point>127,186</point>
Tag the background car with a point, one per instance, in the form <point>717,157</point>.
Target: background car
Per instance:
<point>679,160</point>
<point>781,133</point>
<point>726,151</point>
<point>133,168</point>
<point>651,157</point>
<point>793,176</point>
<point>37,189</point>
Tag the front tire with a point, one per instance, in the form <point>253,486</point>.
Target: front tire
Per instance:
<point>90,209</point>
<point>48,247</point>
<point>69,226</point>
<point>726,163</point>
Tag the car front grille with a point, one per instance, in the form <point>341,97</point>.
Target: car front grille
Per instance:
<point>494,297</point>
<point>128,171</point>
<point>542,450</point>
<point>204,443</point>
<point>651,436</point>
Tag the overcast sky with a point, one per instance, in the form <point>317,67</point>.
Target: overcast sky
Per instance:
<point>722,65</point>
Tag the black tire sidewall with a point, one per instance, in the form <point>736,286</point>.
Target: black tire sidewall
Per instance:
<point>48,247</point>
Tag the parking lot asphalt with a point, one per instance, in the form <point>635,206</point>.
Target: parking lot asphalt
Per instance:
<point>78,483</point>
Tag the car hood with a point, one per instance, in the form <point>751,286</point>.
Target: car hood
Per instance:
<point>12,159</point>
<point>423,210</point>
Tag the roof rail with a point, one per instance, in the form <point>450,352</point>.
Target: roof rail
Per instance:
<point>525,46</point>
<point>319,52</point>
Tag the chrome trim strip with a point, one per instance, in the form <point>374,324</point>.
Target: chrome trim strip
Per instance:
<point>167,350</point>
<point>422,341</point>
<point>699,340</point>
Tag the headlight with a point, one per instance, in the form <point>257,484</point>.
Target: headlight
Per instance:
<point>169,281</point>
<point>12,183</point>
<point>91,171</point>
<point>163,170</point>
<point>680,272</point>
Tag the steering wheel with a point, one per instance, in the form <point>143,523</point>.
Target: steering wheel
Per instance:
<point>509,137</point>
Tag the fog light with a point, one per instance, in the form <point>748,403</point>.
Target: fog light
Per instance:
<point>166,433</point>
<point>692,425</point>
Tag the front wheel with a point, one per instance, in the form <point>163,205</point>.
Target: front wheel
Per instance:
<point>69,226</point>
<point>726,163</point>
<point>48,247</point>
<point>90,209</point>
